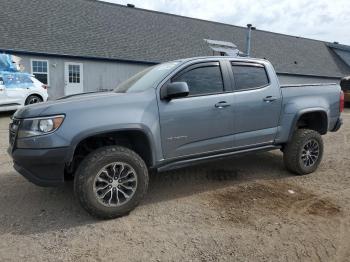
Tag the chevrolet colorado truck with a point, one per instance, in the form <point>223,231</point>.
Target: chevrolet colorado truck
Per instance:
<point>169,116</point>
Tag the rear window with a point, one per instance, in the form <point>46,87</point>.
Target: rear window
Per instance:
<point>249,76</point>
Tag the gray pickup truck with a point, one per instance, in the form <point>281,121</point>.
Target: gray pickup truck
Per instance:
<point>169,116</point>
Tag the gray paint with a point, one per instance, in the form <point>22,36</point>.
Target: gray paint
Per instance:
<point>300,79</point>
<point>97,74</point>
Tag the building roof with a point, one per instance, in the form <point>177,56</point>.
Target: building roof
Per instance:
<point>90,28</point>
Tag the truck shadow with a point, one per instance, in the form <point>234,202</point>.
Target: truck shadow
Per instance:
<point>33,209</point>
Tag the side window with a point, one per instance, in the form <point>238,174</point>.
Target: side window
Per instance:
<point>247,76</point>
<point>202,80</point>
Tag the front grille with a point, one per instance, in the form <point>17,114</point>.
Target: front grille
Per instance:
<point>13,129</point>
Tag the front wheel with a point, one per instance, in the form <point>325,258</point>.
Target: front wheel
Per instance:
<point>303,154</point>
<point>111,181</point>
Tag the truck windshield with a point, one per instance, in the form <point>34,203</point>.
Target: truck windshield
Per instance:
<point>147,78</point>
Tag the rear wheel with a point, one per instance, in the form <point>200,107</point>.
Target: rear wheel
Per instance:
<point>33,99</point>
<point>303,154</point>
<point>111,181</point>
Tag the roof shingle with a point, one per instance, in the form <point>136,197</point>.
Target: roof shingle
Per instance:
<point>90,28</point>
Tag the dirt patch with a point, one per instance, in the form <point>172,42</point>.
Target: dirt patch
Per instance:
<point>323,208</point>
<point>241,203</point>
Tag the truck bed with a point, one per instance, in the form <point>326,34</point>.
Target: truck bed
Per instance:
<point>301,98</point>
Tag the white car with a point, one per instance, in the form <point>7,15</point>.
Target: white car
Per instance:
<point>20,89</point>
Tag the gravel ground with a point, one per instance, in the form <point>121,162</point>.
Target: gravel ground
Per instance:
<point>246,208</point>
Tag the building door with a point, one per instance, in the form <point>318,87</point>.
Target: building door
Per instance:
<point>73,78</point>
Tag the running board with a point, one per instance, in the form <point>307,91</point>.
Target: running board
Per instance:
<point>193,161</point>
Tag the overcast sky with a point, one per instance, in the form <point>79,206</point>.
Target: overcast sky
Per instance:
<point>318,19</point>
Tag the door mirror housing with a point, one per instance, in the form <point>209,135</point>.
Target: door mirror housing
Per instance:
<point>175,90</point>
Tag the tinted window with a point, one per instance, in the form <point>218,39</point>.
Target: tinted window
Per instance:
<point>247,77</point>
<point>202,80</point>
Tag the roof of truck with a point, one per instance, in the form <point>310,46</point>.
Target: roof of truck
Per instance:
<point>100,30</point>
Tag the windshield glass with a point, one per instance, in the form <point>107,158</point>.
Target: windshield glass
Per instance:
<point>147,78</point>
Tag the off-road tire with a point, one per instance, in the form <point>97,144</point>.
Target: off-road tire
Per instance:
<point>293,151</point>
<point>88,170</point>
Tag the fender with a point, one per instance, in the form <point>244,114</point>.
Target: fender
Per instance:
<point>103,130</point>
<point>305,111</point>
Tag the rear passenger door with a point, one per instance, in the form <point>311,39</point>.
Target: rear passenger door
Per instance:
<point>257,104</point>
<point>202,122</point>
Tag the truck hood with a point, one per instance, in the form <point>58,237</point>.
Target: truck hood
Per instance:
<point>75,102</point>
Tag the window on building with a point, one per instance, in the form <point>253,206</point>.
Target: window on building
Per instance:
<point>247,76</point>
<point>74,74</point>
<point>202,80</point>
<point>40,69</point>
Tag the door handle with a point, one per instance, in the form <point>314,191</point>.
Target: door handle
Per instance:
<point>222,104</point>
<point>269,99</point>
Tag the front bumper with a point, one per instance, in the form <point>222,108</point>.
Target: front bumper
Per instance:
<point>43,167</point>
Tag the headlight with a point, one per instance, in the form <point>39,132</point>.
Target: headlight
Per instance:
<point>39,126</point>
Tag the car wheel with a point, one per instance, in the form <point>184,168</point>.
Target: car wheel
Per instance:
<point>33,99</point>
<point>303,154</point>
<point>111,181</point>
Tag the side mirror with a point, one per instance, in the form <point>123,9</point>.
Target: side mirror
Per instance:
<point>174,90</point>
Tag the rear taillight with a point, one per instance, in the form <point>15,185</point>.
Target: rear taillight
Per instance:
<point>44,86</point>
<point>341,107</point>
